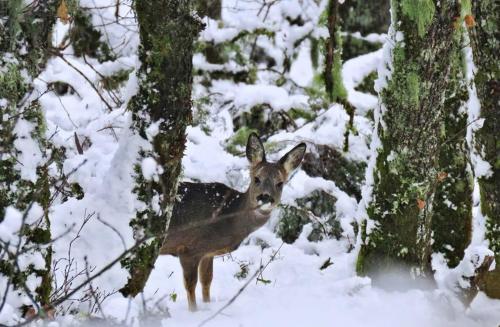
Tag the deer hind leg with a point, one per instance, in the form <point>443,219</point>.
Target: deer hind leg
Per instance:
<point>206,275</point>
<point>190,271</point>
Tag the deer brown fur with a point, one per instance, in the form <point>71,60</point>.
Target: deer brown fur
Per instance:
<point>211,219</point>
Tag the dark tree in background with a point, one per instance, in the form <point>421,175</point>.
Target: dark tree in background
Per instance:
<point>213,10</point>
<point>364,17</point>
<point>422,162</point>
<point>167,32</point>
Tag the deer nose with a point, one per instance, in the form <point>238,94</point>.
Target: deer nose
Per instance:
<point>265,198</point>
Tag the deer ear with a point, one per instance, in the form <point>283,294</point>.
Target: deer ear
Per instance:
<point>255,150</point>
<point>293,158</point>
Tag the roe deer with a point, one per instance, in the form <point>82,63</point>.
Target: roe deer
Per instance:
<point>211,219</point>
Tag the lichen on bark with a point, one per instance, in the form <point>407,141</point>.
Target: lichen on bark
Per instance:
<point>484,31</point>
<point>167,33</point>
<point>24,43</point>
<point>452,206</point>
<point>416,122</point>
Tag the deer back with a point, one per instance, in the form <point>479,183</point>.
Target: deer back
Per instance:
<point>208,218</point>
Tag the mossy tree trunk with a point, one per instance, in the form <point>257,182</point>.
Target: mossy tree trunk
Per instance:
<point>451,223</point>
<point>484,35</point>
<point>334,85</point>
<point>420,178</point>
<point>24,43</point>
<point>167,32</point>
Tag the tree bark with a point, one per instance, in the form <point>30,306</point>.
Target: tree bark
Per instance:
<point>333,56</point>
<point>167,32</point>
<point>451,223</point>
<point>24,50</point>
<point>484,35</point>
<point>420,123</point>
<point>332,76</point>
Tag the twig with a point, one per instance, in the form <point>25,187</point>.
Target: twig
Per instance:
<point>257,273</point>
<point>4,298</point>
<point>86,78</point>
<point>114,230</point>
<point>91,289</point>
<point>86,282</point>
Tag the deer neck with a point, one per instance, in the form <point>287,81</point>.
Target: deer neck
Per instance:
<point>253,217</point>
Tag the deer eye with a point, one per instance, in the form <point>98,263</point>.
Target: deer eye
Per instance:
<point>279,185</point>
<point>256,180</point>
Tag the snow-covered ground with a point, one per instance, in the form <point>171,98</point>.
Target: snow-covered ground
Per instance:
<point>300,294</point>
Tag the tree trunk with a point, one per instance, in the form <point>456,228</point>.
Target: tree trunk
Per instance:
<point>332,76</point>
<point>420,123</point>
<point>484,35</point>
<point>167,31</point>
<point>334,85</point>
<point>24,50</point>
<point>451,223</point>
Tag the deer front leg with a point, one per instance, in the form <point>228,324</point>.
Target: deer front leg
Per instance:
<point>190,271</point>
<point>206,275</point>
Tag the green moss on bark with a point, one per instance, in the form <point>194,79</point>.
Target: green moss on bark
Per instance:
<point>24,44</point>
<point>452,205</point>
<point>485,47</point>
<point>421,12</point>
<point>167,31</point>
<point>334,84</point>
<point>417,121</point>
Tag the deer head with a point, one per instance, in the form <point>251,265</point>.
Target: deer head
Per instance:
<point>268,178</point>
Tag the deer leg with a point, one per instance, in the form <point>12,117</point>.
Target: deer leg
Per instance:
<point>206,274</point>
<point>190,271</point>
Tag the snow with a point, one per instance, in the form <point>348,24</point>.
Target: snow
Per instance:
<point>329,129</point>
<point>301,71</point>
<point>10,225</point>
<point>246,96</point>
<point>353,73</point>
<point>150,168</point>
<point>298,292</point>
<point>30,156</point>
